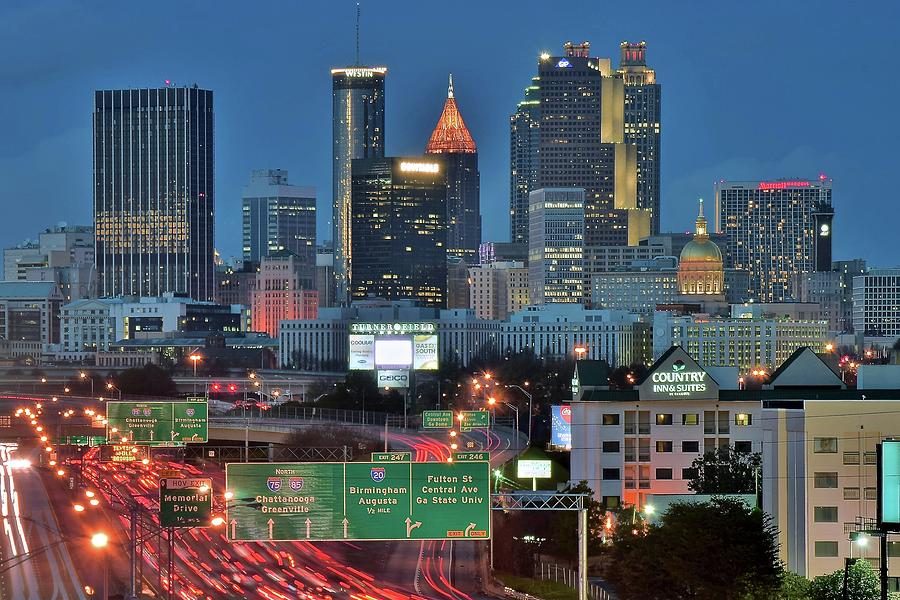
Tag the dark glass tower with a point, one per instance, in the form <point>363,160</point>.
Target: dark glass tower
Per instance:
<point>643,98</point>
<point>452,140</point>
<point>154,192</point>
<point>524,140</point>
<point>399,229</point>
<point>357,132</point>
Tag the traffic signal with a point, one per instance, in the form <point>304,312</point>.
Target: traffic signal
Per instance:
<point>232,388</point>
<point>216,387</point>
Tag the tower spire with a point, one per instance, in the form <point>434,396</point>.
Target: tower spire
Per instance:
<point>450,89</point>
<point>701,231</point>
<point>357,34</point>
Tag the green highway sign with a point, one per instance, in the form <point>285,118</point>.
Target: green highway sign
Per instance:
<point>437,419</point>
<point>383,500</point>
<point>185,502</point>
<point>391,456</point>
<point>471,456</point>
<point>83,440</point>
<point>153,423</point>
<point>472,419</point>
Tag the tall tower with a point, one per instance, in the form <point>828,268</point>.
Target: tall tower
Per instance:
<point>154,192</point>
<point>524,160</point>
<point>452,139</point>
<point>357,132</point>
<point>643,98</point>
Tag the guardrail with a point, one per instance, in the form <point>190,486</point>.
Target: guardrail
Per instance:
<point>568,577</point>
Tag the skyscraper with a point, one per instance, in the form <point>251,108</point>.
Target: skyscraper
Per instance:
<point>776,230</point>
<point>278,217</point>
<point>642,124</point>
<point>556,245</point>
<point>357,132</point>
<point>452,140</point>
<point>399,229</point>
<point>524,141</point>
<point>154,191</point>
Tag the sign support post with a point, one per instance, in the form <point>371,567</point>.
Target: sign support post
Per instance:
<point>582,554</point>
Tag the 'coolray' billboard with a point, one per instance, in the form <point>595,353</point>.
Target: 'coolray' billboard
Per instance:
<point>388,346</point>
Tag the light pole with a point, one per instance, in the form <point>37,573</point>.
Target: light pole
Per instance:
<point>195,358</point>
<point>492,401</point>
<point>110,386</point>
<point>100,541</point>
<point>530,399</point>
<point>83,376</point>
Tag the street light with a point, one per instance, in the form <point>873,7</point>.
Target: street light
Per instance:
<point>110,386</point>
<point>530,399</point>
<point>100,541</point>
<point>84,375</point>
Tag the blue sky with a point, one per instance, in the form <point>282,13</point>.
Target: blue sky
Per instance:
<point>750,90</point>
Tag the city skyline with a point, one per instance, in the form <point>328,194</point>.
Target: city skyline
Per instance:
<point>768,130</point>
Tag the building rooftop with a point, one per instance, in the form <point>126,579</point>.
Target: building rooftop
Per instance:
<point>451,135</point>
<point>26,289</point>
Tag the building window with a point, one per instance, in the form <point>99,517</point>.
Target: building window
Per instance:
<point>743,419</point>
<point>611,501</point>
<point>690,419</point>
<point>825,514</point>
<point>826,549</point>
<point>826,480</point>
<point>610,419</point>
<point>610,474</point>
<point>663,446</point>
<point>743,447</point>
<point>851,493</point>
<point>689,473</point>
<point>663,418</point>
<point>664,473</point>
<point>871,494</point>
<point>825,445</point>
<point>693,446</point>
<point>851,458</point>
<point>611,446</point>
<point>870,458</point>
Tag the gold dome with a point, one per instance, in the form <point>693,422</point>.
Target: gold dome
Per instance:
<point>700,269</point>
<point>701,251</point>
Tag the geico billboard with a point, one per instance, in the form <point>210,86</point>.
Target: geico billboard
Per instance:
<point>393,379</point>
<point>368,352</point>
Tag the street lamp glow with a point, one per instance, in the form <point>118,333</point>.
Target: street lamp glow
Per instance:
<point>89,493</point>
<point>99,540</point>
<point>94,502</point>
<point>217,521</point>
<point>204,488</point>
<point>60,472</point>
<point>78,508</point>
<point>649,510</point>
<point>228,495</point>
<point>145,461</point>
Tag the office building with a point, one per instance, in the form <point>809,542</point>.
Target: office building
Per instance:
<point>639,288</point>
<point>399,226</point>
<point>279,217</point>
<point>63,255</point>
<point>556,245</point>
<point>280,294</point>
<point>154,202</point>
<point>580,136</point>
<point>498,289</point>
<point>457,283</point>
<point>643,113</point>
<point>777,231</point>
<point>833,292</point>
<point>357,132</point>
<point>325,275</point>
<point>29,312</point>
<point>524,159</point>
<point>452,140</point>
<point>235,283</point>
<point>490,252</point>
<point>876,306</point>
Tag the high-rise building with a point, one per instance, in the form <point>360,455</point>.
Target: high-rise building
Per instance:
<point>580,144</point>
<point>642,124</point>
<point>62,254</point>
<point>279,217</point>
<point>876,310</point>
<point>498,289</point>
<point>452,140</point>
<point>556,245</point>
<point>399,229</point>
<point>357,132</point>
<point>833,292</point>
<point>776,230</point>
<point>279,294</point>
<point>154,192</point>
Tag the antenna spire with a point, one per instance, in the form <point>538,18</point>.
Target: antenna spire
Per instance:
<point>450,89</point>
<point>357,34</point>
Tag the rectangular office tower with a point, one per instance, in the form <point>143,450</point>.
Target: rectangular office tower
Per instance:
<point>154,192</point>
<point>643,112</point>
<point>279,217</point>
<point>399,229</point>
<point>778,231</point>
<point>556,245</point>
<point>357,132</point>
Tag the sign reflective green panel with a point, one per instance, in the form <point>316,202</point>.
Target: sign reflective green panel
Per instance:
<point>391,456</point>
<point>185,502</point>
<point>470,456</point>
<point>472,419</point>
<point>151,423</point>
<point>437,419</point>
<point>382,500</point>
<point>889,485</point>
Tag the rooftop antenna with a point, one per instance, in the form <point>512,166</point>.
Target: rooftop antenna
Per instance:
<point>357,34</point>
<point>450,88</point>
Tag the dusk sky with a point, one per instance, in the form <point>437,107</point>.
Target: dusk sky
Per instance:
<point>762,89</point>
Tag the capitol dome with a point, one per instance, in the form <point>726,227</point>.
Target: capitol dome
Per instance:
<point>700,268</point>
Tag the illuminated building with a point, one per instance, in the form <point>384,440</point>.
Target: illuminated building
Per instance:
<point>833,292</point>
<point>154,192</point>
<point>279,217</point>
<point>399,227</point>
<point>280,294</point>
<point>357,132</point>
<point>29,312</point>
<point>700,269</point>
<point>498,289</point>
<point>452,140</point>
<point>556,245</point>
<point>63,255</point>
<point>776,230</point>
<point>642,124</point>
<point>574,137</point>
<point>876,306</point>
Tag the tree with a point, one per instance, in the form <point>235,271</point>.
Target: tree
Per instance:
<point>149,380</point>
<point>726,471</point>
<point>862,584</point>
<point>794,587</point>
<point>716,550</point>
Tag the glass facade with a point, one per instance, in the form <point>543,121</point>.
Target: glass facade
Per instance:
<point>399,229</point>
<point>154,192</point>
<point>357,132</point>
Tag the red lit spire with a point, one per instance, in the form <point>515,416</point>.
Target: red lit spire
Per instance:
<point>450,134</point>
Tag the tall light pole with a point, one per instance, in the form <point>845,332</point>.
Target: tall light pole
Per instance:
<point>195,358</point>
<point>100,541</point>
<point>492,401</point>
<point>84,375</point>
<point>530,398</point>
<point>110,386</point>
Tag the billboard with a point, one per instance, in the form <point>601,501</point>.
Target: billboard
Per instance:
<point>533,469</point>
<point>561,426</point>
<point>397,379</point>
<point>393,346</point>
